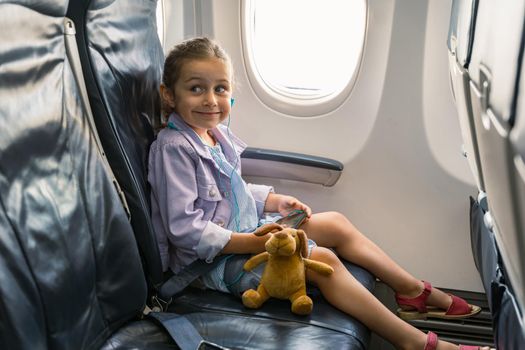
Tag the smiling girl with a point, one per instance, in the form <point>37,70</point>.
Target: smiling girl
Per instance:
<point>202,208</point>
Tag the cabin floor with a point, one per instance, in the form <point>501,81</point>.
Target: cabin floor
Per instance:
<point>472,331</point>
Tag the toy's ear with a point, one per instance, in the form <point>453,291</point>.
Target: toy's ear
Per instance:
<point>264,229</point>
<point>303,243</point>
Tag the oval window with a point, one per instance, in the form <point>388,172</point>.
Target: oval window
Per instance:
<point>303,55</point>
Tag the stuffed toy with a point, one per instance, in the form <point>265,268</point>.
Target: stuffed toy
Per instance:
<point>284,274</point>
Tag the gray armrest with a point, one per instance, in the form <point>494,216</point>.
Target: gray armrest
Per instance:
<point>290,166</point>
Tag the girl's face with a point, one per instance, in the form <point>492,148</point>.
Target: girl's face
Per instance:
<point>201,96</point>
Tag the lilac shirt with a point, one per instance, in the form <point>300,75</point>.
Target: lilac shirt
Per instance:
<point>189,212</point>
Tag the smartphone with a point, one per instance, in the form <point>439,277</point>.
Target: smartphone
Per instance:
<point>293,220</point>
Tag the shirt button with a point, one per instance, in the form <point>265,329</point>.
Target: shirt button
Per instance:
<point>212,192</point>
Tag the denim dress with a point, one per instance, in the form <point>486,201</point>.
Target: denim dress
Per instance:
<point>243,218</point>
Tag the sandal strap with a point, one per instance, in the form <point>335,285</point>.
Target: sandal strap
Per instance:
<point>432,341</point>
<point>419,302</point>
<point>458,306</point>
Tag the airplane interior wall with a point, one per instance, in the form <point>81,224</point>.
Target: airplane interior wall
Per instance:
<point>405,182</point>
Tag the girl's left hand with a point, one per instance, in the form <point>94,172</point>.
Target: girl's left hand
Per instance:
<point>287,204</point>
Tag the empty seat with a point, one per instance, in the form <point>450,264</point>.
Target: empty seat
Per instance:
<point>71,271</point>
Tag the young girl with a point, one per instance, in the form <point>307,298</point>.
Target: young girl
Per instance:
<point>202,208</point>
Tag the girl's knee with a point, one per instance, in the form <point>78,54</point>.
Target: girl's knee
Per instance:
<point>325,255</point>
<point>339,220</point>
<point>343,223</point>
<point>336,216</point>
<point>330,220</point>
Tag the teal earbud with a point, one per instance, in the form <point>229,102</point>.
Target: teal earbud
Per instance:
<point>232,101</point>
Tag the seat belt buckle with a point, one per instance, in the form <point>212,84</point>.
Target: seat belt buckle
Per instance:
<point>160,305</point>
<point>208,345</point>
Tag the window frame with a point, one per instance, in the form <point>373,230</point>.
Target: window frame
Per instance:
<point>281,100</point>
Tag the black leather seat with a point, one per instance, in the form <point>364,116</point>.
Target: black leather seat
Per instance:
<point>222,319</point>
<point>225,321</point>
<point>71,271</point>
<point>75,272</point>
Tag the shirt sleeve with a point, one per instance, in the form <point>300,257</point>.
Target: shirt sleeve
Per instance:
<point>260,194</point>
<point>176,191</point>
<point>213,240</point>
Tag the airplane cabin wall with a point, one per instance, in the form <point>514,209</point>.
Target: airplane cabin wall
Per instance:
<point>405,183</point>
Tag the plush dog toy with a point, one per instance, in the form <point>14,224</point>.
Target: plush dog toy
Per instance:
<point>284,274</point>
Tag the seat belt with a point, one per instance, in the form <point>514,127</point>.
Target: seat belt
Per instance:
<point>178,282</point>
<point>178,326</point>
<point>183,332</point>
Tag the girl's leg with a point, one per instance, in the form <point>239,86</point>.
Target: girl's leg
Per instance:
<point>334,230</point>
<point>343,291</point>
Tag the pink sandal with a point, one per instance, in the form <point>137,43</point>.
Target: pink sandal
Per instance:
<point>432,342</point>
<point>416,308</point>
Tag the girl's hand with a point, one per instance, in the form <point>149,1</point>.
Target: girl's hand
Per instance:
<point>287,204</point>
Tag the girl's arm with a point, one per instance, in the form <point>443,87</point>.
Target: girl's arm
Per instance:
<point>245,243</point>
<point>284,205</point>
<point>251,243</point>
<point>174,189</point>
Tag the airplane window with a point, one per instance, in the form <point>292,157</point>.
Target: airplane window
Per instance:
<point>305,51</point>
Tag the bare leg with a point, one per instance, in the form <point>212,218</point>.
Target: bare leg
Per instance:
<point>343,291</point>
<point>334,230</point>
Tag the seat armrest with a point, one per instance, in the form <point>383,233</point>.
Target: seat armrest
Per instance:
<point>290,166</point>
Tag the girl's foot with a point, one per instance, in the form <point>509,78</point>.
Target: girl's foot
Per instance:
<point>432,344</point>
<point>431,302</point>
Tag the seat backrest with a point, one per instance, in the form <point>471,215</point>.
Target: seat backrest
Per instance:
<point>461,30</point>
<point>459,42</point>
<point>511,333</point>
<point>495,72</point>
<point>122,61</point>
<point>517,149</point>
<point>491,106</point>
<point>71,271</point>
